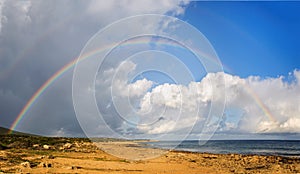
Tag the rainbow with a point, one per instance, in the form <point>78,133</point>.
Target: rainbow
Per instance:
<point>72,63</point>
<point>51,80</point>
<point>261,104</point>
<point>43,88</point>
<point>39,92</point>
<point>68,66</point>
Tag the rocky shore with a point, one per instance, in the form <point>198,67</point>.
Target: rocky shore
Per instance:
<point>23,154</point>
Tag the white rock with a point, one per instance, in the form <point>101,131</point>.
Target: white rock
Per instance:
<point>46,147</point>
<point>26,164</point>
<point>67,146</point>
<point>36,145</point>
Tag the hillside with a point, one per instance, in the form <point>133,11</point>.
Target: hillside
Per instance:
<point>4,131</point>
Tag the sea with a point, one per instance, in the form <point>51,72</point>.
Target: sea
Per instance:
<point>289,148</point>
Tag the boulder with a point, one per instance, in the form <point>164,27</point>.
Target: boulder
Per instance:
<point>67,146</point>
<point>47,147</point>
<point>36,146</point>
<point>26,164</point>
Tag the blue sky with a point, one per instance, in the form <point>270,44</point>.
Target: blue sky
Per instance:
<point>251,38</point>
<point>260,39</point>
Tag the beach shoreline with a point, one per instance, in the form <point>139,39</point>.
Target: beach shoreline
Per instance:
<point>78,156</point>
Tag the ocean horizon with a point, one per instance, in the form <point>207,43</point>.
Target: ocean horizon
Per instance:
<point>287,148</point>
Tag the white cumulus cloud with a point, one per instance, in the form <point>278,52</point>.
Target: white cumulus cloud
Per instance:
<point>253,104</point>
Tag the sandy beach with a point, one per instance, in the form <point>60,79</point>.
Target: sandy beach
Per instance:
<point>76,156</point>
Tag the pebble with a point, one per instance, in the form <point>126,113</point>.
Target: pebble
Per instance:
<point>51,157</point>
<point>45,165</point>
<point>75,167</point>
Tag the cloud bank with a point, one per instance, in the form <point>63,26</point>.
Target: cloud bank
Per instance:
<point>37,38</point>
<point>253,104</point>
